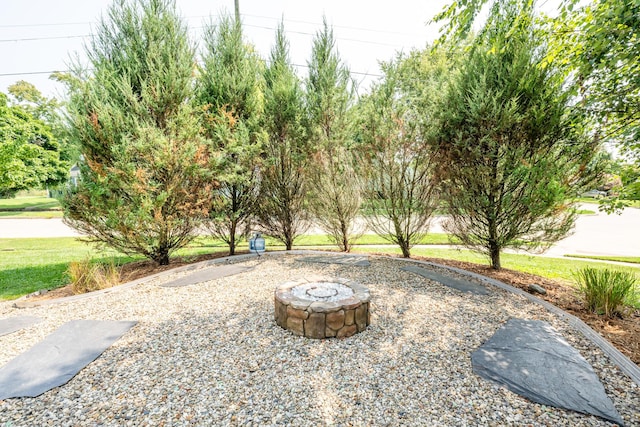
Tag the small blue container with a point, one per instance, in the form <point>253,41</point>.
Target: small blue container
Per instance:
<point>256,244</point>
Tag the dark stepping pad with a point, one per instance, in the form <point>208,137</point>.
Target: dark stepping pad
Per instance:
<point>207,274</point>
<point>13,324</point>
<point>59,357</point>
<point>459,284</point>
<point>532,359</point>
<point>361,261</point>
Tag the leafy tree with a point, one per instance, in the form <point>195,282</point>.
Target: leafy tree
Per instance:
<point>398,183</point>
<point>49,110</point>
<point>600,41</point>
<point>229,89</point>
<point>29,153</point>
<point>282,211</point>
<point>334,196</point>
<point>509,153</point>
<point>146,179</point>
<point>597,44</point>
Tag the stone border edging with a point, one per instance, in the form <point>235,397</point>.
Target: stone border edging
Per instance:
<point>619,359</point>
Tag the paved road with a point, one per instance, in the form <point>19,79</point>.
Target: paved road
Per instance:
<point>598,234</point>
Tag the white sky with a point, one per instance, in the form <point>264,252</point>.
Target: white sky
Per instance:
<point>366,31</point>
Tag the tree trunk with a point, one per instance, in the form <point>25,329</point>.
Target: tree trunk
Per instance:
<point>232,239</point>
<point>494,251</point>
<point>162,257</point>
<point>406,252</point>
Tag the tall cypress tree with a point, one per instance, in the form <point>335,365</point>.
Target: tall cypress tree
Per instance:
<point>396,164</point>
<point>334,196</point>
<point>146,182</point>
<point>230,95</point>
<point>511,155</point>
<point>282,211</point>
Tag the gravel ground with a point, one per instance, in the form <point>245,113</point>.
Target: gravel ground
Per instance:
<point>211,354</point>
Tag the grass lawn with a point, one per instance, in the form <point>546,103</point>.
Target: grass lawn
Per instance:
<point>31,203</point>
<point>631,259</point>
<point>27,265</point>
<point>366,239</point>
<point>30,214</point>
<point>552,268</point>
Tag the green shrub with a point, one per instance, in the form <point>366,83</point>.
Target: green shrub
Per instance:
<point>86,276</point>
<point>606,291</point>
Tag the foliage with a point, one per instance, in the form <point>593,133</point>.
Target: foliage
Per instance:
<point>282,211</point>
<point>87,276</point>
<point>606,291</point>
<point>398,183</point>
<point>598,45</point>
<point>50,111</point>
<point>230,95</point>
<point>29,153</point>
<point>509,153</point>
<point>146,182</point>
<point>334,197</point>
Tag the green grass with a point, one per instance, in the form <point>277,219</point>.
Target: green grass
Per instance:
<point>366,239</point>
<point>585,212</point>
<point>27,265</point>
<point>30,214</point>
<point>629,259</point>
<point>552,268</point>
<point>30,203</point>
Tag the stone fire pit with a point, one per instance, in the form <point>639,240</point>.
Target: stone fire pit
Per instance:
<point>322,307</point>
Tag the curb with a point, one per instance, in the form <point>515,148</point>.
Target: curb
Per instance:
<point>619,359</point>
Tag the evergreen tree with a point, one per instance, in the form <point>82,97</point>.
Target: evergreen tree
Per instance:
<point>230,93</point>
<point>282,211</point>
<point>334,196</point>
<point>509,154</point>
<point>399,188</point>
<point>146,184</point>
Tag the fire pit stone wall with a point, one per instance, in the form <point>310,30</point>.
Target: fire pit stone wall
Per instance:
<point>322,307</point>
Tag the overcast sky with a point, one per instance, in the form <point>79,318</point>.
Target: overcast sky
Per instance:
<point>38,36</point>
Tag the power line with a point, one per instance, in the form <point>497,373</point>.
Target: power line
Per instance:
<point>334,26</point>
<point>246,25</point>
<point>347,27</point>
<point>30,39</point>
<point>28,73</point>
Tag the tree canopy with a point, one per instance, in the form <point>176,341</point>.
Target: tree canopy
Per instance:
<point>29,153</point>
<point>146,180</point>
<point>598,45</point>
<point>282,210</point>
<point>229,93</point>
<point>509,150</point>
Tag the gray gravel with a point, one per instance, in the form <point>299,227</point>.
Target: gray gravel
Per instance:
<point>211,354</point>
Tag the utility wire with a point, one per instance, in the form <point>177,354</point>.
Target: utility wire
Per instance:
<point>347,27</point>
